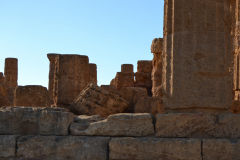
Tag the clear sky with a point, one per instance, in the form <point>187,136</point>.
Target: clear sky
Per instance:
<point>110,32</point>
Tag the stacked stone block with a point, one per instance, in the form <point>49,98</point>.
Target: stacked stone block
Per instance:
<point>54,133</point>
<point>143,75</point>
<point>68,76</point>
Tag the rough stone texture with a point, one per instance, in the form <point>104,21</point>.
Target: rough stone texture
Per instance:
<point>124,124</point>
<point>93,73</point>
<point>185,125</point>
<point>32,121</point>
<point>144,66</point>
<point>221,149</point>
<point>131,94</point>
<point>148,105</point>
<point>1,78</point>
<point>11,72</point>
<point>69,75</point>
<point>127,68</point>
<point>123,79</point>
<point>7,146</point>
<point>31,96</point>
<point>94,100</point>
<point>197,55</point>
<point>4,101</point>
<point>154,149</point>
<point>198,125</point>
<point>11,77</point>
<point>156,49</point>
<point>143,79</point>
<point>62,148</point>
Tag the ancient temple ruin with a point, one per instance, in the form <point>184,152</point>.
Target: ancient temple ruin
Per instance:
<point>182,105</point>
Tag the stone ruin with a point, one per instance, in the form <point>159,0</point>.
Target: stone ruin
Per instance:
<point>182,105</point>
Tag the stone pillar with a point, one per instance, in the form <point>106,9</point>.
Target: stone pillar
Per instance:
<point>53,80</point>
<point>123,79</point>
<point>11,72</point>
<point>71,76</point>
<point>143,75</point>
<point>197,52</point>
<point>156,49</point>
<point>93,73</point>
<point>127,68</point>
<point>11,77</point>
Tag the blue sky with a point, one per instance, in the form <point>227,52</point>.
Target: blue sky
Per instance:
<point>110,32</point>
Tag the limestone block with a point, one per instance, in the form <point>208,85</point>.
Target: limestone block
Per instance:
<point>144,66</point>
<point>148,105</point>
<point>1,78</point>
<point>123,79</point>
<point>198,125</point>
<point>11,72</point>
<point>62,148</point>
<point>127,68</point>
<point>185,125</point>
<point>31,96</point>
<point>143,79</point>
<point>94,100</point>
<point>221,149</point>
<point>157,45</point>
<point>7,146</point>
<point>93,73</point>
<point>32,121</point>
<point>4,101</point>
<point>125,124</point>
<point>154,149</point>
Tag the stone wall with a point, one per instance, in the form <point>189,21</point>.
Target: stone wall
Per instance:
<point>54,133</point>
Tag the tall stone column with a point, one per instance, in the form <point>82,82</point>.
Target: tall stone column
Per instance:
<point>53,80</point>
<point>156,49</point>
<point>197,55</point>
<point>11,77</point>
<point>68,76</point>
<point>11,72</point>
<point>93,73</point>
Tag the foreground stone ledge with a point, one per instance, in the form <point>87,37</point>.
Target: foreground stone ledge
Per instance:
<point>7,146</point>
<point>221,149</point>
<point>125,124</point>
<point>34,121</point>
<point>62,148</point>
<point>154,149</point>
<point>198,125</point>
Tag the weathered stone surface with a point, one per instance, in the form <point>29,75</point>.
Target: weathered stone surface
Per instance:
<point>124,124</point>
<point>1,78</point>
<point>93,73</point>
<point>4,101</point>
<point>62,148</point>
<point>154,149</point>
<point>123,79</point>
<point>144,66</point>
<point>31,96</point>
<point>156,49</point>
<point>185,125</point>
<point>197,55</point>
<point>127,68</point>
<point>11,72</point>
<point>143,79</point>
<point>7,146</point>
<point>10,77</point>
<point>148,105</point>
<point>94,100</point>
<point>198,125</point>
<point>69,75</point>
<point>221,149</point>
<point>32,121</point>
